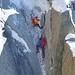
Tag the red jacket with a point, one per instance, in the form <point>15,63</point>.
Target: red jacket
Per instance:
<point>43,41</point>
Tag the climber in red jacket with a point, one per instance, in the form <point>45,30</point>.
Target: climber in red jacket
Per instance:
<point>41,44</point>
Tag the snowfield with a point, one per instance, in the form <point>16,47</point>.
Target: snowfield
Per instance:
<point>61,5</point>
<point>44,5</point>
<point>32,8</point>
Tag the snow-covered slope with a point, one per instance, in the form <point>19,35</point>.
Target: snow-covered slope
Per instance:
<point>3,17</point>
<point>61,5</point>
<point>22,36</point>
<point>44,5</point>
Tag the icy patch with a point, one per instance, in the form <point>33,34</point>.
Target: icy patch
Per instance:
<point>0,3</point>
<point>18,38</point>
<point>15,20</point>
<point>30,4</point>
<point>36,13</point>
<point>16,2</point>
<point>44,5</point>
<point>71,43</point>
<point>41,61</point>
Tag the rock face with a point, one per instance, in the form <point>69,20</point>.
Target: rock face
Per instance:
<point>13,61</point>
<point>67,62</point>
<point>59,59</point>
<point>56,28</point>
<point>63,61</point>
<point>48,49</point>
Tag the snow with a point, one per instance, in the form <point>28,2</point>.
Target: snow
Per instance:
<point>9,11</point>
<point>60,5</point>
<point>30,4</point>
<point>71,11</point>
<point>39,3</point>
<point>30,7</point>
<point>41,61</point>
<point>36,32</point>
<point>2,39</point>
<point>69,36</point>
<point>71,43</point>
<point>4,14</point>
<point>44,5</point>
<point>68,2</point>
<point>72,15</point>
<point>18,38</point>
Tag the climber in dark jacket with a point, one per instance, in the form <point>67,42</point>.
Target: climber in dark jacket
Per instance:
<point>41,44</point>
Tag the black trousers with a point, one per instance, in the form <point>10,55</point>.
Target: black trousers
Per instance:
<point>43,50</point>
<point>38,26</point>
